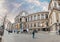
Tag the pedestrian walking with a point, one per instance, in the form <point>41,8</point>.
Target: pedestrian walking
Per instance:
<point>33,34</point>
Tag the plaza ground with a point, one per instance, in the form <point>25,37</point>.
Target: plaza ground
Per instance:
<point>39,37</point>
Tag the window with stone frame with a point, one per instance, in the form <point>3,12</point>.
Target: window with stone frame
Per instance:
<point>34,24</point>
<point>34,17</point>
<point>20,19</point>
<point>28,18</point>
<point>38,24</point>
<point>46,23</point>
<point>54,4</point>
<point>31,24</point>
<point>27,25</point>
<point>46,15</point>
<point>31,17</point>
<point>42,16</point>
<point>38,16</point>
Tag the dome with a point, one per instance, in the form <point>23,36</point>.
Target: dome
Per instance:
<point>23,13</point>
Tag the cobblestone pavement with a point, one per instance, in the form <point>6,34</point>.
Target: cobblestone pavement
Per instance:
<point>39,37</point>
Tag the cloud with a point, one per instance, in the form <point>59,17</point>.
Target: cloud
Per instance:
<point>37,8</point>
<point>2,9</point>
<point>14,12</point>
<point>32,7</point>
<point>44,6</point>
<point>36,2</point>
<point>17,5</point>
<point>13,7</point>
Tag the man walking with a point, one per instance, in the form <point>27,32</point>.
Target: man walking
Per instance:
<point>33,34</point>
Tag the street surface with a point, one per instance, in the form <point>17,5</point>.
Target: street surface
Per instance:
<point>39,37</point>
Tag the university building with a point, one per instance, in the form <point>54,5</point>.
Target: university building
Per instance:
<point>38,21</point>
<point>45,21</point>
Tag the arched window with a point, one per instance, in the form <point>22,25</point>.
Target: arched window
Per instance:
<point>31,17</point>
<point>20,19</point>
<point>34,17</point>
<point>34,24</point>
<point>31,24</point>
<point>38,24</point>
<point>42,16</point>
<point>38,16</point>
<point>46,16</point>
<point>54,4</point>
<point>46,23</point>
<point>26,19</point>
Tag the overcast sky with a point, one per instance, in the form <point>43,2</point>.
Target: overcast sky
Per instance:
<point>13,7</point>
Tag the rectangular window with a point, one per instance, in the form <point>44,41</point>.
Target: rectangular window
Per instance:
<point>54,4</point>
<point>38,16</point>
<point>31,24</point>
<point>28,18</point>
<point>31,17</point>
<point>20,19</point>
<point>34,17</point>
<point>46,15</point>
<point>38,24</point>
<point>46,23</point>
<point>34,24</point>
<point>28,25</point>
<point>42,16</point>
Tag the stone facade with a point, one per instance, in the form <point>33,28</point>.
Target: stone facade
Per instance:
<point>54,15</point>
<point>33,21</point>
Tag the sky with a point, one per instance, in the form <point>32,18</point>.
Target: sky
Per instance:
<point>14,7</point>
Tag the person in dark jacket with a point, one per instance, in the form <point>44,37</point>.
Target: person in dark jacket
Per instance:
<point>33,34</point>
